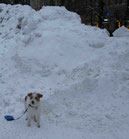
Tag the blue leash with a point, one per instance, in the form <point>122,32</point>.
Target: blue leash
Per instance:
<point>11,118</point>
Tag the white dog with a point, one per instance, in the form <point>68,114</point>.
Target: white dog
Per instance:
<point>32,105</point>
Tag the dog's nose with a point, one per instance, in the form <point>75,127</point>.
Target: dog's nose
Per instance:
<point>32,102</point>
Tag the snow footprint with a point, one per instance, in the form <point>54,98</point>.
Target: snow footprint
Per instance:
<point>97,44</point>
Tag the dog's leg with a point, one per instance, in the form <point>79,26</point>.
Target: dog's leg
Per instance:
<point>29,123</point>
<point>35,118</point>
<point>27,117</point>
<point>38,120</point>
<point>29,120</point>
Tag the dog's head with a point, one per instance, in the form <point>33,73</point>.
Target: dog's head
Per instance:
<point>34,98</point>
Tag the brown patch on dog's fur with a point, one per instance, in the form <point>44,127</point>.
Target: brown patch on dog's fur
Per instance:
<point>26,98</point>
<point>38,96</point>
<point>30,94</point>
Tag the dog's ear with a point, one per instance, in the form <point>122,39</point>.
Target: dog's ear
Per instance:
<point>30,94</point>
<point>40,95</point>
<point>26,98</point>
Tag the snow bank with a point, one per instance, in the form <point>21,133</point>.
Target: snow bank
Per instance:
<point>121,32</point>
<point>82,72</point>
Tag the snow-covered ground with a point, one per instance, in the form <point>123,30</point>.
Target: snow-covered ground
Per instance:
<point>82,72</point>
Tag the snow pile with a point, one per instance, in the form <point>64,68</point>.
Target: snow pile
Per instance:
<point>82,72</point>
<point>24,20</point>
<point>121,32</point>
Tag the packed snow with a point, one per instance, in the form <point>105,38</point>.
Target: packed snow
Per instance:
<point>81,71</point>
<point>121,32</point>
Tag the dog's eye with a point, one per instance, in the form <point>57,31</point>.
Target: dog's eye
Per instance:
<point>36,98</point>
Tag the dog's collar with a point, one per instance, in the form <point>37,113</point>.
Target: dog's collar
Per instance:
<point>33,106</point>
